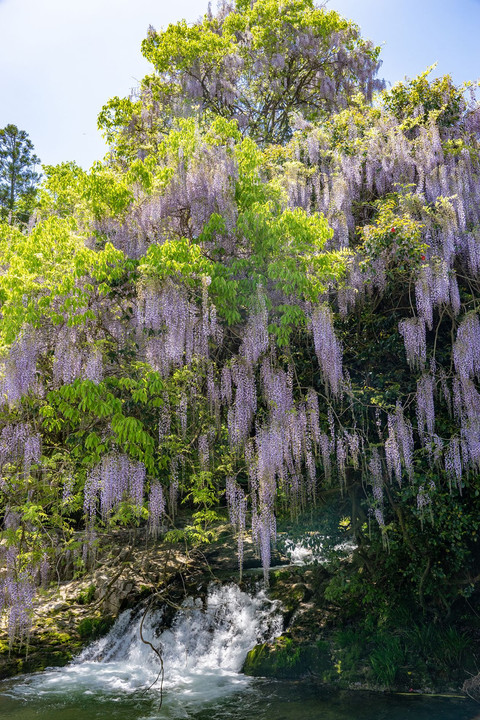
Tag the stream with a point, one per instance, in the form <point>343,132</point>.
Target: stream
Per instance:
<point>203,650</point>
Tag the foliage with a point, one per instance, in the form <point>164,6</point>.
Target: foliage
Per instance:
<point>61,190</point>
<point>395,236</point>
<point>413,102</point>
<point>91,628</point>
<point>210,318</point>
<point>401,654</point>
<point>18,177</point>
<point>251,62</point>
<point>86,597</point>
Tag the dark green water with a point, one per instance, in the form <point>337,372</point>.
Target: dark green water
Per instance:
<point>258,700</point>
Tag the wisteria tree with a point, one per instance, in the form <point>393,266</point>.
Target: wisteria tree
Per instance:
<point>269,68</point>
<point>240,316</point>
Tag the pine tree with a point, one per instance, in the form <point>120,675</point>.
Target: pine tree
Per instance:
<point>17,174</point>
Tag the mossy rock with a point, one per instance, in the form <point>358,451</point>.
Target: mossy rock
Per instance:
<point>55,638</point>
<point>285,658</point>
<point>35,661</point>
<point>41,660</point>
<point>87,595</point>
<point>280,576</point>
<point>91,628</point>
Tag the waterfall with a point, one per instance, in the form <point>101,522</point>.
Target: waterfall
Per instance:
<point>313,548</point>
<point>203,649</point>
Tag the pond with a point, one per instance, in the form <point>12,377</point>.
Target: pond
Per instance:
<point>26,699</point>
<point>203,649</point>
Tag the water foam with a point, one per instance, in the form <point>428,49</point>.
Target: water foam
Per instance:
<point>203,650</point>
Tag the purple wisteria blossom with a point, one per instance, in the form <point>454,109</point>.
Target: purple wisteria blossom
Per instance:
<point>156,508</point>
<point>327,348</point>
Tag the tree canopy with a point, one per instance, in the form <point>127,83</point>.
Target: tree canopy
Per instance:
<point>229,315</point>
<point>18,177</point>
<point>266,65</point>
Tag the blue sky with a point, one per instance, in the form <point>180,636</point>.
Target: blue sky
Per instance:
<point>60,60</point>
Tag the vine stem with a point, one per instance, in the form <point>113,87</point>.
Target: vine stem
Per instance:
<point>158,653</point>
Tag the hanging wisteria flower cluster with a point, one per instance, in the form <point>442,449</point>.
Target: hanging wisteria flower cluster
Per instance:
<point>233,349</point>
<point>116,479</point>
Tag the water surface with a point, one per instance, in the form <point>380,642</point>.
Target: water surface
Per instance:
<point>203,651</point>
<point>254,700</point>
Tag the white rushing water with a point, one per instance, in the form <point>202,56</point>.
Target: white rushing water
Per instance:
<point>309,549</point>
<point>203,650</point>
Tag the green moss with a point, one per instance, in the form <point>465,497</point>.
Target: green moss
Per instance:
<point>279,576</point>
<point>36,661</point>
<point>93,627</point>
<point>284,658</point>
<point>86,597</point>
<point>289,588</point>
<point>59,637</point>
<point>41,660</point>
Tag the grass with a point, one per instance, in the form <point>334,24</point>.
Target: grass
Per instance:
<point>394,656</point>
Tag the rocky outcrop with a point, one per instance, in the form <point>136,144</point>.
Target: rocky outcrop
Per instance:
<point>284,658</point>
<point>73,612</point>
<point>128,569</point>
<point>304,649</point>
